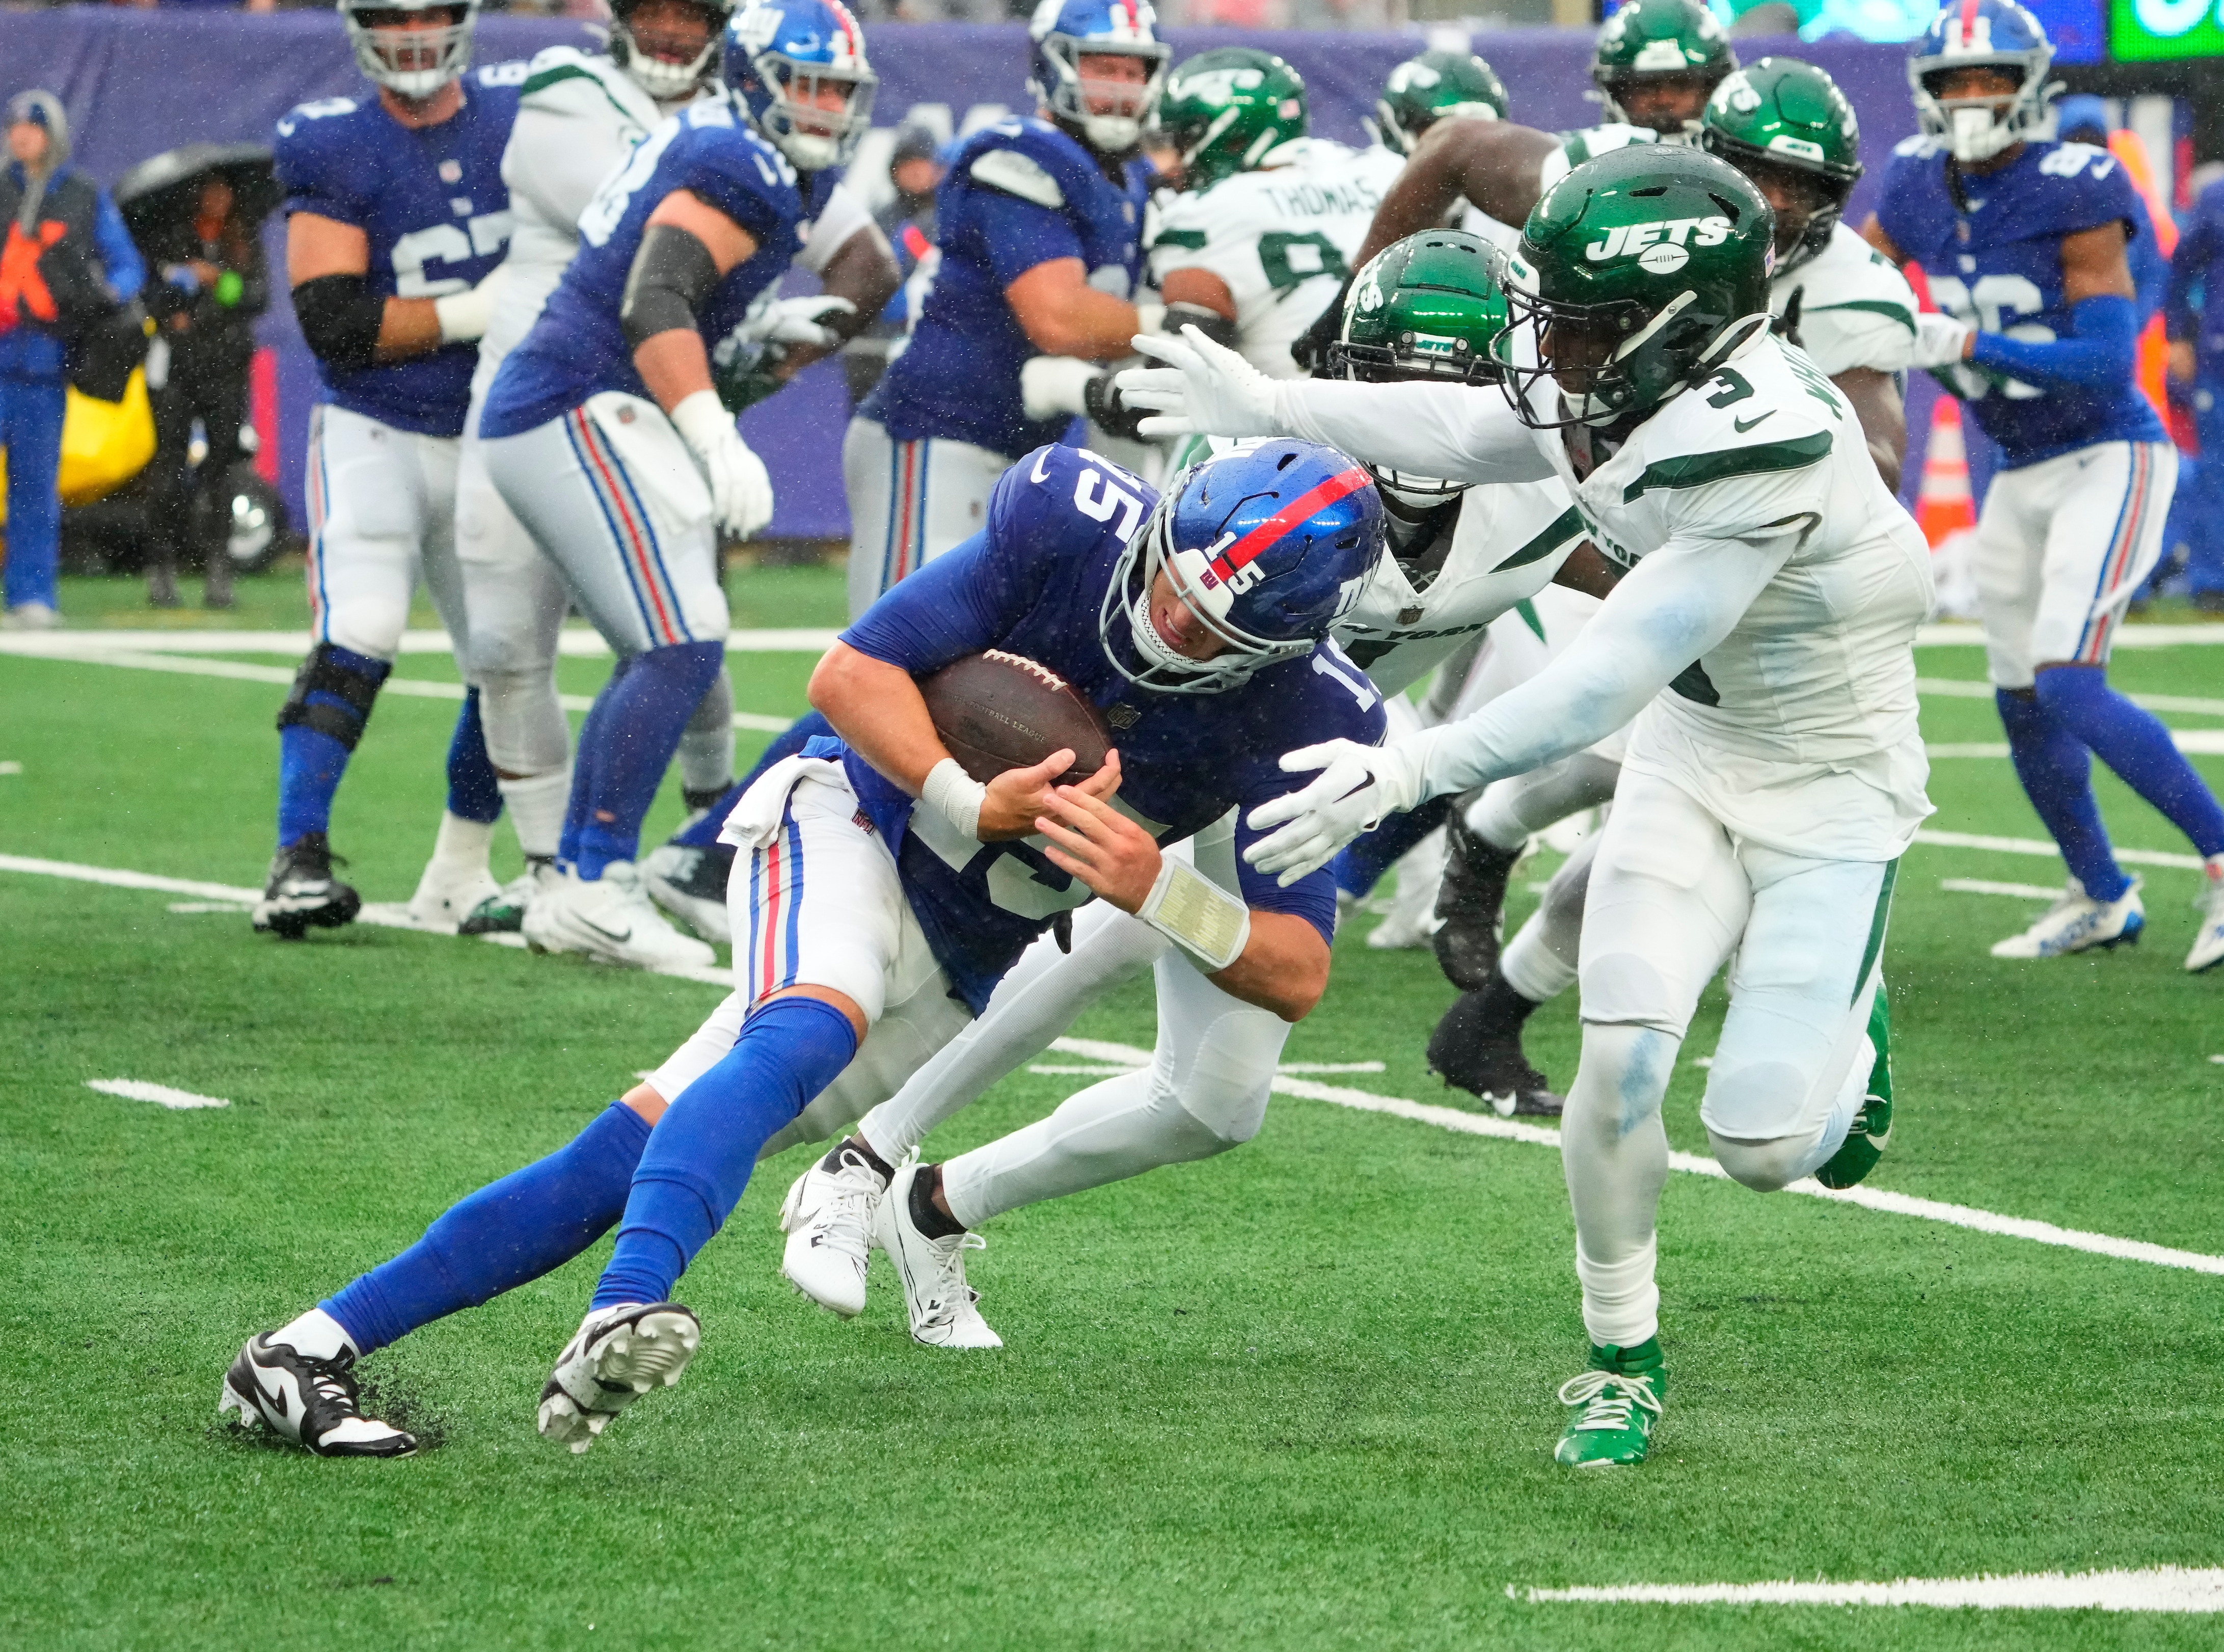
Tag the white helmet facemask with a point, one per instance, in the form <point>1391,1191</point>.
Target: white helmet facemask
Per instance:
<point>417,61</point>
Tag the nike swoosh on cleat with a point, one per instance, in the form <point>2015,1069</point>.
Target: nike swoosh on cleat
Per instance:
<point>1743,425</point>
<point>277,1397</point>
<point>615,937</point>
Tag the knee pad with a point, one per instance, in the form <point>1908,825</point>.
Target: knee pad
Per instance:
<point>523,719</point>
<point>1755,1101</point>
<point>1227,1087</point>
<point>1764,1166</point>
<point>352,679</point>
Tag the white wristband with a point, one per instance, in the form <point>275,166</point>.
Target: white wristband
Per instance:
<point>956,796</point>
<point>701,420</point>
<point>463,316</point>
<point>1150,318</point>
<point>1193,910</point>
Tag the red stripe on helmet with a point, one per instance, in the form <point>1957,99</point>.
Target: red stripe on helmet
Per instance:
<point>1968,21</point>
<point>1248,549</point>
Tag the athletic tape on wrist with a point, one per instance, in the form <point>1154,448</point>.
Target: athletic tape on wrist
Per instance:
<point>955,795</point>
<point>1198,914</point>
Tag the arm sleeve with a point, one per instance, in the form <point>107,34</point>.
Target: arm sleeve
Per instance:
<point>2097,357</point>
<point>1449,431</point>
<point>1667,612</point>
<point>120,262</point>
<point>556,161</point>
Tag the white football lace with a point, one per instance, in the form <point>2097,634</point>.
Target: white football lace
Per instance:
<point>1608,1397</point>
<point>950,1294</point>
<point>846,1217</point>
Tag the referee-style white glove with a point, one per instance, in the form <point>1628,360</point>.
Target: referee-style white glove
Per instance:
<point>796,321</point>
<point>466,315</point>
<point>1050,385</point>
<point>741,490</point>
<point>1358,786</point>
<point>1204,389</point>
<point>1939,340</point>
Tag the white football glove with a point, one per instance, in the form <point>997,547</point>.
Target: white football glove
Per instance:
<point>466,315</point>
<point>1939,339</point>
<point>1204,389</point>
<point>796,321</point>
<point>741,490</point>
<point>1359,785</point>
<point>1050,385</point>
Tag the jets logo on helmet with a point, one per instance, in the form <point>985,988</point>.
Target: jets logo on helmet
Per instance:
<point>1439,85</point>
<point>799,69</point>
<point>1108,115</point>
<point>1786,126</point>
<point>1228,111</point>
<point>1638,273</point>
<point>1977,125</point>
<point>1267,544</point>
<point>417,60</point>
<point>1654,40</point>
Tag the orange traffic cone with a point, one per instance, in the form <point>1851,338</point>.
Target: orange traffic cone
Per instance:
<point>1943,506</point>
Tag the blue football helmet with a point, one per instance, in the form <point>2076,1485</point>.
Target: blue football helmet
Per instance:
<point>1983,34</point>
<point>1062,33</point>
<point>1267,544</point>
<point>781,58</point>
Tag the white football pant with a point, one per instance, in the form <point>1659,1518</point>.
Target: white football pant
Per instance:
<point>1672,896</point>
<point>382,514</point>
<point>2060,548</point>
<point>909,502</point>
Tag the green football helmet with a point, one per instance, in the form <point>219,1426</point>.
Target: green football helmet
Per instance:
<point>1637,274</point>
<point>1654,39</point>
<point>1785,122</point>
<point>1424,307</point>
<point>1424,90</point>
<point>1226,110</point>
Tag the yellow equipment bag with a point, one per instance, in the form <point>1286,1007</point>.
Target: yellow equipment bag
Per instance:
<point>104,444</point>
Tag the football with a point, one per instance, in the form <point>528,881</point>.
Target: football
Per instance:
<point>998,710</point>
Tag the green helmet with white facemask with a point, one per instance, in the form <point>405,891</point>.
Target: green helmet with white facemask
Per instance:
<point>1436,86</point>
<point>1226,110</point>
<point>1637,275</point>
<point>1648,38</point>
<point>1790,117</point>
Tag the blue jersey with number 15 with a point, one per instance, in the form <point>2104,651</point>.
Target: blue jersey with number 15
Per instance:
<point>1995,258</point>
<point>1032,583</point>
<point>432,204</point>
<point>577,347</point>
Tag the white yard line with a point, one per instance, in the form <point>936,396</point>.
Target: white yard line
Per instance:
<point>161,1094</point>
<point>1983,886</point>
<point>1963,688</point>
<point>574,641</point>
<point>1954,634</point>
<point>2042,846</point>
<point>2153,1589</point>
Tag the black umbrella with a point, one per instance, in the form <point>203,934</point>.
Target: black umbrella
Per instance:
<point>163,193</point>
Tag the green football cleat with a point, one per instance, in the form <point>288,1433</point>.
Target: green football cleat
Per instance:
<point>1871,1132</point>
<point>1616,1402</point>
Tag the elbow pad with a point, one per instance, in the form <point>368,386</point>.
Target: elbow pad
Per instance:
<point>1211,323</point>
<point>340,318</point>
<point>672,274</point>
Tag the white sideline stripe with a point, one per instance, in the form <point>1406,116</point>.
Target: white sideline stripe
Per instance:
<point>11,768</point>
<point>1982,886</point>
<point>574,641</point>
<point>1953,634</point>
<point>161,1094</point>
<point>1130,1066</point>
<point>1876,1199</point>
<point>2199,743</point>
<point>1963,688</point>
<point>210,906</point>
<point>414,687</point>
<point>2154,1589</point>
<point>2041,846</point>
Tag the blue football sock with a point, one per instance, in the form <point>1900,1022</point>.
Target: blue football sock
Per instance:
<point>311,761</point>
<point>2056,773</point>
<point>644,712</point>
<point>1360,867</point>
<point>2132,741</point>
<point>474,793</point>
<point>530,1223</point>
<point>698,1161</point>
<point>789,741</point>
<point>590,727</point>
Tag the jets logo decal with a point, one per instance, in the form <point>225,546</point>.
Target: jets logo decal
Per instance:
<point>1663,246</point>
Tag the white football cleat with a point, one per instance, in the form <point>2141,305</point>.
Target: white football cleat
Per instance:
<point>941,1304</point>
<point>2209,943</point>
<point>2078,923</point>
<point>447,895</point>
<point>621,1352</point>
<point>828,1218</point>
<point>309,1400</point>
<point>610,920</point>
<point>691,885</point>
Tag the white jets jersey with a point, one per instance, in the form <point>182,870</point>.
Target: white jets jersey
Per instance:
<point>1592,141</point>
<point>1855,310</point>
<point>1509,540</point>
<point>1283,239</point>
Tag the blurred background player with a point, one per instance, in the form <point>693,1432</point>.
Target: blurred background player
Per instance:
<point>2024,241</point>
<point>54,216</point>
<point>580,115</point>
<point>2196,361</point>
<point>397,215</point>
<point>609,433</point>
<point>1040,224</point>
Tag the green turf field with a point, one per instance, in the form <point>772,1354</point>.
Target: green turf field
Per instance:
<point>1298,1396</point>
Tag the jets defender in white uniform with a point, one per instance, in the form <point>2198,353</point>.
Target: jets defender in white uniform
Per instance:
<point>1455,559</point>
<point>1774,589</point>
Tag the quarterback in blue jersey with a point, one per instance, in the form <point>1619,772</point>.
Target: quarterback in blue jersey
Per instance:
<point>1039,223</point>
<point>886,890</point>
<point>2024,240</point>
<point>396,216</point>
<point>610,433</point>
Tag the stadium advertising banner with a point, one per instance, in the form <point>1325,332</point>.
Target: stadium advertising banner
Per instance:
<point>2143,30</point>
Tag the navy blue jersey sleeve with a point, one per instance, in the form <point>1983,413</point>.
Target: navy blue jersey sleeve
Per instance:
<point>949,609</point>
<point>2087,188</point>
<point>319,169</point>
<point>742,177</point>
<point>1018,235</point>
<point>1335,702</point>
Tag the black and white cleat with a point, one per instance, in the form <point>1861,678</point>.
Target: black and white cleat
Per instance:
<point>302,893</point>
<point>309,1401</point>
<point>620,1353</point>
